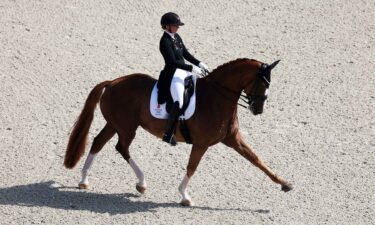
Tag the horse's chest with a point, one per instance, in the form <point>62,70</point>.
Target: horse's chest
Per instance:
<point>221,129</point>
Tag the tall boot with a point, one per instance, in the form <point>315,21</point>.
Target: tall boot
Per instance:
<point>171,124</point>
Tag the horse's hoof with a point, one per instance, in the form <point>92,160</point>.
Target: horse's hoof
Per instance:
<point>83,186</point>
<point>186,203</point>
<point>140,189</point>
<point>287,187</point>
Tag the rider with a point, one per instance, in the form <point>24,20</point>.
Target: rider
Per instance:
<point>171,80</point>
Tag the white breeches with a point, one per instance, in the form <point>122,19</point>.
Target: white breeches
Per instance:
<point>178,86</point>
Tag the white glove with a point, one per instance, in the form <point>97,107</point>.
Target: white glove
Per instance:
<point>197,70</point>
<point>203,66</point>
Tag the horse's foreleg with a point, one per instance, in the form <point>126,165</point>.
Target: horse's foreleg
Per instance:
<point>99,141</point>
<point>195,157</point>
<point>237,143</point>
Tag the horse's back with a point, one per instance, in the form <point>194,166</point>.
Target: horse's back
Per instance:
<point>133,80</point>
<point>125,95</point>
<point>133,84</point>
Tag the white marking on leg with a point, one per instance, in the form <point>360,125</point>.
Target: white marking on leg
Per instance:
<point>267,92</point>
<point>182,188</point>
<point>86,168</point>
<point>138,172</point>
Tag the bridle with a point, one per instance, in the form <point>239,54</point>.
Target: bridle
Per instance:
<point>250,99</point>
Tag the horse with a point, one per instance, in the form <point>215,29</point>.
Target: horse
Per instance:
<point>125,106</point>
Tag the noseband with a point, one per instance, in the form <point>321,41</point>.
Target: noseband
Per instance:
<point>250,99</point>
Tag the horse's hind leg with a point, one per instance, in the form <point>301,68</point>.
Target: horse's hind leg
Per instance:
<point>99,141</point>
<point>125,140</point>
<point>237,143</point>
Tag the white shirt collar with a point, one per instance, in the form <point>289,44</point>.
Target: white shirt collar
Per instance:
<point>171,34</point>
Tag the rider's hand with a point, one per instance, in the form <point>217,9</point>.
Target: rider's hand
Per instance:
<point>203,66</point>
<point>197,70</point>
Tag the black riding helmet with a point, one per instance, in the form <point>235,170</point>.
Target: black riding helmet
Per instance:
<point>171,18</point>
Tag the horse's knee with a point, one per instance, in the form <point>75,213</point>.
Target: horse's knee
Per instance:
<point>254,158</point>
<point>247,152</point>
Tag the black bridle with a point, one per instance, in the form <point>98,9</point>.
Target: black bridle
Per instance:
<point>250,99</point>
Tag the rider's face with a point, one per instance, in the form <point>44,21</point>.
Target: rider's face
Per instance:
<point>172,28</point>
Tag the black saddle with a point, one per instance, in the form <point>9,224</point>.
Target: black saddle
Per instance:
<point>188,92</point>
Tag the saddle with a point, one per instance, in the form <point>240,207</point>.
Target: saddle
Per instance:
<point>161,111</point>
<point>188,92</point>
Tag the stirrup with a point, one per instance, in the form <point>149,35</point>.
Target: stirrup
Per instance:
<point>169,139</point>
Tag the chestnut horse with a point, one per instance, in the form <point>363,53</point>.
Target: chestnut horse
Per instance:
<point>125,105</point>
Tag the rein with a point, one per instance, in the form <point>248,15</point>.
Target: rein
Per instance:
<point>221,87</point>
<point>248,99</point>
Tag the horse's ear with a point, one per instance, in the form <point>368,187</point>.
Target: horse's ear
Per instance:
<point>270,67</point>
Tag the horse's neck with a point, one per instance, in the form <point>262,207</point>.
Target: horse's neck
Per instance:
<point>235,74</point>
<point>228,81</point>
<point>229,77</point>
<point>215,98</point>
<point>224,89</point>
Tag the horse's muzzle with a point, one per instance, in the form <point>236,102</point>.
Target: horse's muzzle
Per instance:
<point>257,112</point>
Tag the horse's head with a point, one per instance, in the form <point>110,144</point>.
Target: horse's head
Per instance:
<point>257,90</point>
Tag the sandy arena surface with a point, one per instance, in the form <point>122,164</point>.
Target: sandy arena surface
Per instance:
<point>317,130</point>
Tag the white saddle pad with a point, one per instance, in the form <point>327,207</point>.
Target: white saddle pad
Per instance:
<point>159,111</point>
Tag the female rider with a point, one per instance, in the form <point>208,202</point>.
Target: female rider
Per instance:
<point>171,80</point>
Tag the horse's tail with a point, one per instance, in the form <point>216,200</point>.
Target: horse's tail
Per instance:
<point>78,137</point>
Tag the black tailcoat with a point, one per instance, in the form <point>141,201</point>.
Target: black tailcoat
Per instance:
<point>174,52</point>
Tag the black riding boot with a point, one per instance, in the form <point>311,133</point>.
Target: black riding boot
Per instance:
<point>171,124</point>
